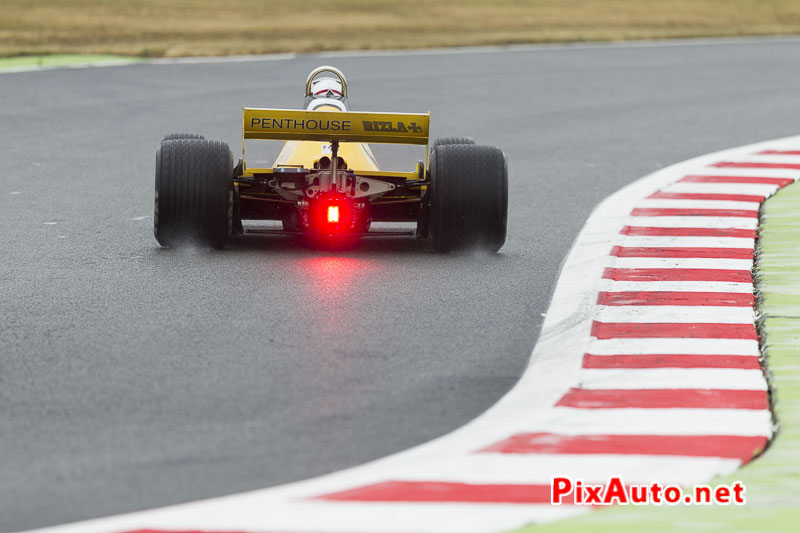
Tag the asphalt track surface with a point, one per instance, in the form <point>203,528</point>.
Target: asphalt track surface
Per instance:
<point>133,376</point>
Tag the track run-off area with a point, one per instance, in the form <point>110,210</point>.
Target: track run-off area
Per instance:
<point>138,377</point>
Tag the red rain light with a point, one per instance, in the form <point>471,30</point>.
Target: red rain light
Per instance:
<point>333,214</point>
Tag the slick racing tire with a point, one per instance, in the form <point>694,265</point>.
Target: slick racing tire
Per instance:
<point>178,136</point>
<point>194,196</point>
<point>442,141</point>
<point>468,201</point>
<point>423,222</point>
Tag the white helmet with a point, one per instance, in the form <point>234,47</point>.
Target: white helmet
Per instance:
<point>326,88</point>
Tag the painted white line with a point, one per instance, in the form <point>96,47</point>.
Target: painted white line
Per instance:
<point>673,378</point>
<point>676,286</point>
<point>686,242</point>
<point>694,222</point>
<point>674,346</point>
<point>538,468</point>
<point>744,172</point>
<point>697,204</point>
<point>770,158</point>
<point>690,262</point>
<point>347,517</point>
<point>354,517</point>
<point>722,188</point>
<point>740,422</point>
<point>678,314</point>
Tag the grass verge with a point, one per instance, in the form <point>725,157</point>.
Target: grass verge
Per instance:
<point>773,480</point>
<point>24,62</point>
<point>156,28</point>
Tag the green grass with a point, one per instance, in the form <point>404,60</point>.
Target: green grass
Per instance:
<point>772,480</point>
<point>59,60</point>
<point>150,28</point>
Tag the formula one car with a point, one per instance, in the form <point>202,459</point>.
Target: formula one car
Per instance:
<point>325,183</point>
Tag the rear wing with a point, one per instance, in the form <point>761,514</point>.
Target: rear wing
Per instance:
<point>329,126</point>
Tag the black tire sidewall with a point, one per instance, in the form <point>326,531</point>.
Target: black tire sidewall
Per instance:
<point>194,196</point>
<point>468,202</point>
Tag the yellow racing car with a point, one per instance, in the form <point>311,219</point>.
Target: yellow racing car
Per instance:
<point>325,183</point>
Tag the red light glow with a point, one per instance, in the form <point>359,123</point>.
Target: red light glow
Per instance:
<point>333,214</point>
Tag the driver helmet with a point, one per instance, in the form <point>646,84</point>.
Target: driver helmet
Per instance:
<point>326,87</point>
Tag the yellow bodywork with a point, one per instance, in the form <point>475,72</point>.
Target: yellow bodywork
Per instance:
<point>308,136</point>
<point>300,153</point>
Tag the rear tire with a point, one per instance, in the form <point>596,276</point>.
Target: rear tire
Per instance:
<point>178,136</point>
<point>468,198</point>
<point>194,196</point>
<point>444,141</point>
